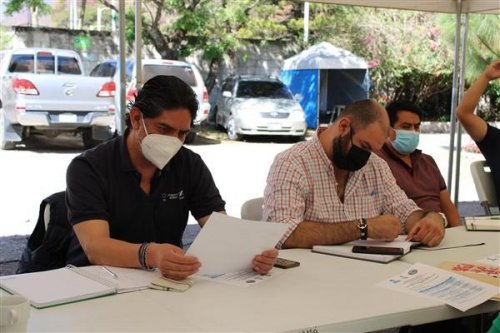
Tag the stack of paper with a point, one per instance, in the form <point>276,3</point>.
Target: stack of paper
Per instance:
<point>482,223</point>
<point>345,250</point>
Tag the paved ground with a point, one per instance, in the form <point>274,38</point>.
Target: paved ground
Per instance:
<point>38,169</point>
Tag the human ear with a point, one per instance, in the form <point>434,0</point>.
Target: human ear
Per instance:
<point>392,134</point>
<point>135,118</point>
<point>344,125</point>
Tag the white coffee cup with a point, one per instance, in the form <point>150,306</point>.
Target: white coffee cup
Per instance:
<point>14,313</point>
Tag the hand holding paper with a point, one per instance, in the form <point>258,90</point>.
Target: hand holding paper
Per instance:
<point>172,262</point>
<point>227,244</point>
<point>264,262</point>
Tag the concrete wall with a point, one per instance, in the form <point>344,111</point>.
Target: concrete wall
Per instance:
<point>251,59</point>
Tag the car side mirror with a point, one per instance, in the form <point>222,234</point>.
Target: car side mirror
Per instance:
<point>227,94</point>
<point>298,97</point>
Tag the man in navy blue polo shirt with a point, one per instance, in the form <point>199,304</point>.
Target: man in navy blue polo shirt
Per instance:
<point>485,135</point>
<point>129,199</point>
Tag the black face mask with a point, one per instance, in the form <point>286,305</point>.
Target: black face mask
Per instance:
<point>353,160</point>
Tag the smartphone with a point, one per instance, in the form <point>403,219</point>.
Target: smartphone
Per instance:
<point>377,250</point>
<point>285,263</point>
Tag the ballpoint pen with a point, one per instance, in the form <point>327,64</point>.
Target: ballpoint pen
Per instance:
<point>110,272</point>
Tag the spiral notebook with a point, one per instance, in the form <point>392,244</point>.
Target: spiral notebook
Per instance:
<point>346,250</point>
<point>71,284</point>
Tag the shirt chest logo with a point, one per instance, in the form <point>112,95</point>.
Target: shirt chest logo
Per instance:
<point>172,196</point>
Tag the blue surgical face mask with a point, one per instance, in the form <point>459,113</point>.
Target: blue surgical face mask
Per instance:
<point>406,141</point>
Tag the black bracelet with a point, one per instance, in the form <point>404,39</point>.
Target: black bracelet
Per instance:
<point>142,253</point>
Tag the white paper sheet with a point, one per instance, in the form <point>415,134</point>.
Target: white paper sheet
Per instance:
<point>227,244</point>
<point>491,260</point>
<point>453,289</point>
<point>241,278</point>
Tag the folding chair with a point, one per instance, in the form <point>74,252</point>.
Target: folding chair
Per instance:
<point>252,209</point>
<point>481,174</point>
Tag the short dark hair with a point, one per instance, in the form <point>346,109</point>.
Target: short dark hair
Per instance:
<point>163,93</point>
<point>396,106</point>
<point>362,113</point>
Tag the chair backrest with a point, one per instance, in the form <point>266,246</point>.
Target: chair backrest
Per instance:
<point>483,181</point>
<point>53,243</point>
<point>252,209</point>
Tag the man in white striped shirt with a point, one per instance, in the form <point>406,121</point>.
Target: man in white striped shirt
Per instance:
<point>332,190</point>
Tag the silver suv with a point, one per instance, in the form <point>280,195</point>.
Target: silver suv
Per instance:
<point>258,105</point>
<point>152,67</point>
<point>44,90</point>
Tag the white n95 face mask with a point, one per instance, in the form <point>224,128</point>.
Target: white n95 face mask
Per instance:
<point>159,149</point>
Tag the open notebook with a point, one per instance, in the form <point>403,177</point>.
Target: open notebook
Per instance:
<point>71,284</point>
<point>346,250</point>
<point>482,223</point>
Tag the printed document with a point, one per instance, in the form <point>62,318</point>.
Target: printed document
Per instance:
<point>458,291</point>
<point>241,279</point>
<point>227,244</point>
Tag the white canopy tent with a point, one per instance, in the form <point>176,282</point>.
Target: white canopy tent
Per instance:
<point>438,6</point>
<point>325,55</point>
<point>326,77</point>
<point>461,8</point>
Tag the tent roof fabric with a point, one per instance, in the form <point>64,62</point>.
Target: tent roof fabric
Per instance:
<point>440,6</point>
<point>325,56</point>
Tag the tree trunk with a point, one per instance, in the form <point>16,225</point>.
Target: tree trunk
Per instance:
<point>82,13</point>
<point>213,70</point>
<point>161,44</point>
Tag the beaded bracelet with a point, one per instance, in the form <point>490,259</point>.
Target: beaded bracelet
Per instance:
<point>142,253</point>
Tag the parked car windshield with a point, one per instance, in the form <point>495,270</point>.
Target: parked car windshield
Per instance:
<point>106,69</point>
<point>185,73</point>
<point>68,65</point>
<point>256,89</point>
<point>21,63</point>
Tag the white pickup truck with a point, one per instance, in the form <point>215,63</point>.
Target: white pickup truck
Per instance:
<point>45,91</point>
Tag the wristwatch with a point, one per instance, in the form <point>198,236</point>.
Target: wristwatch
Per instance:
<point>363,229</point>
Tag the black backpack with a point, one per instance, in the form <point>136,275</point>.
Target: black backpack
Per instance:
<point>47,249</point>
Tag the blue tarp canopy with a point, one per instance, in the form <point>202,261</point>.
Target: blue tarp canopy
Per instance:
<point>326,77</point>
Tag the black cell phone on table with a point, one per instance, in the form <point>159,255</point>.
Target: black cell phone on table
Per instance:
<point>286,263</point>
<point>377,250</point>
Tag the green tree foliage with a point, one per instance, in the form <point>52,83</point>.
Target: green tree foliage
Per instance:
<point>483,46</point>
<point>36,7</point>
<point>5,38</point>
<point>409,52</point>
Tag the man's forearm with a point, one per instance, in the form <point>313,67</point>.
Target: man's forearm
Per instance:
<point>112,252</point>
<point>412,219</point>
<point>417,215</point>
<point>308,234</point>
<point>471,97</point>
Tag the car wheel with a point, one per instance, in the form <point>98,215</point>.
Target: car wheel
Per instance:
<point>218,119</point>
<point>89,141</point>
<point>4,144</point>
<point>190,137</point>
<point>298,138</point>
<point>231,130</point>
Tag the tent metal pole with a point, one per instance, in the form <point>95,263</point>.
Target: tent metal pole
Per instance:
<point>306,22</point>
<point>460,93</point>
<point>123,83</point>
<point>318,129</point>
<point>454,97</point>
<point>138,45</point>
